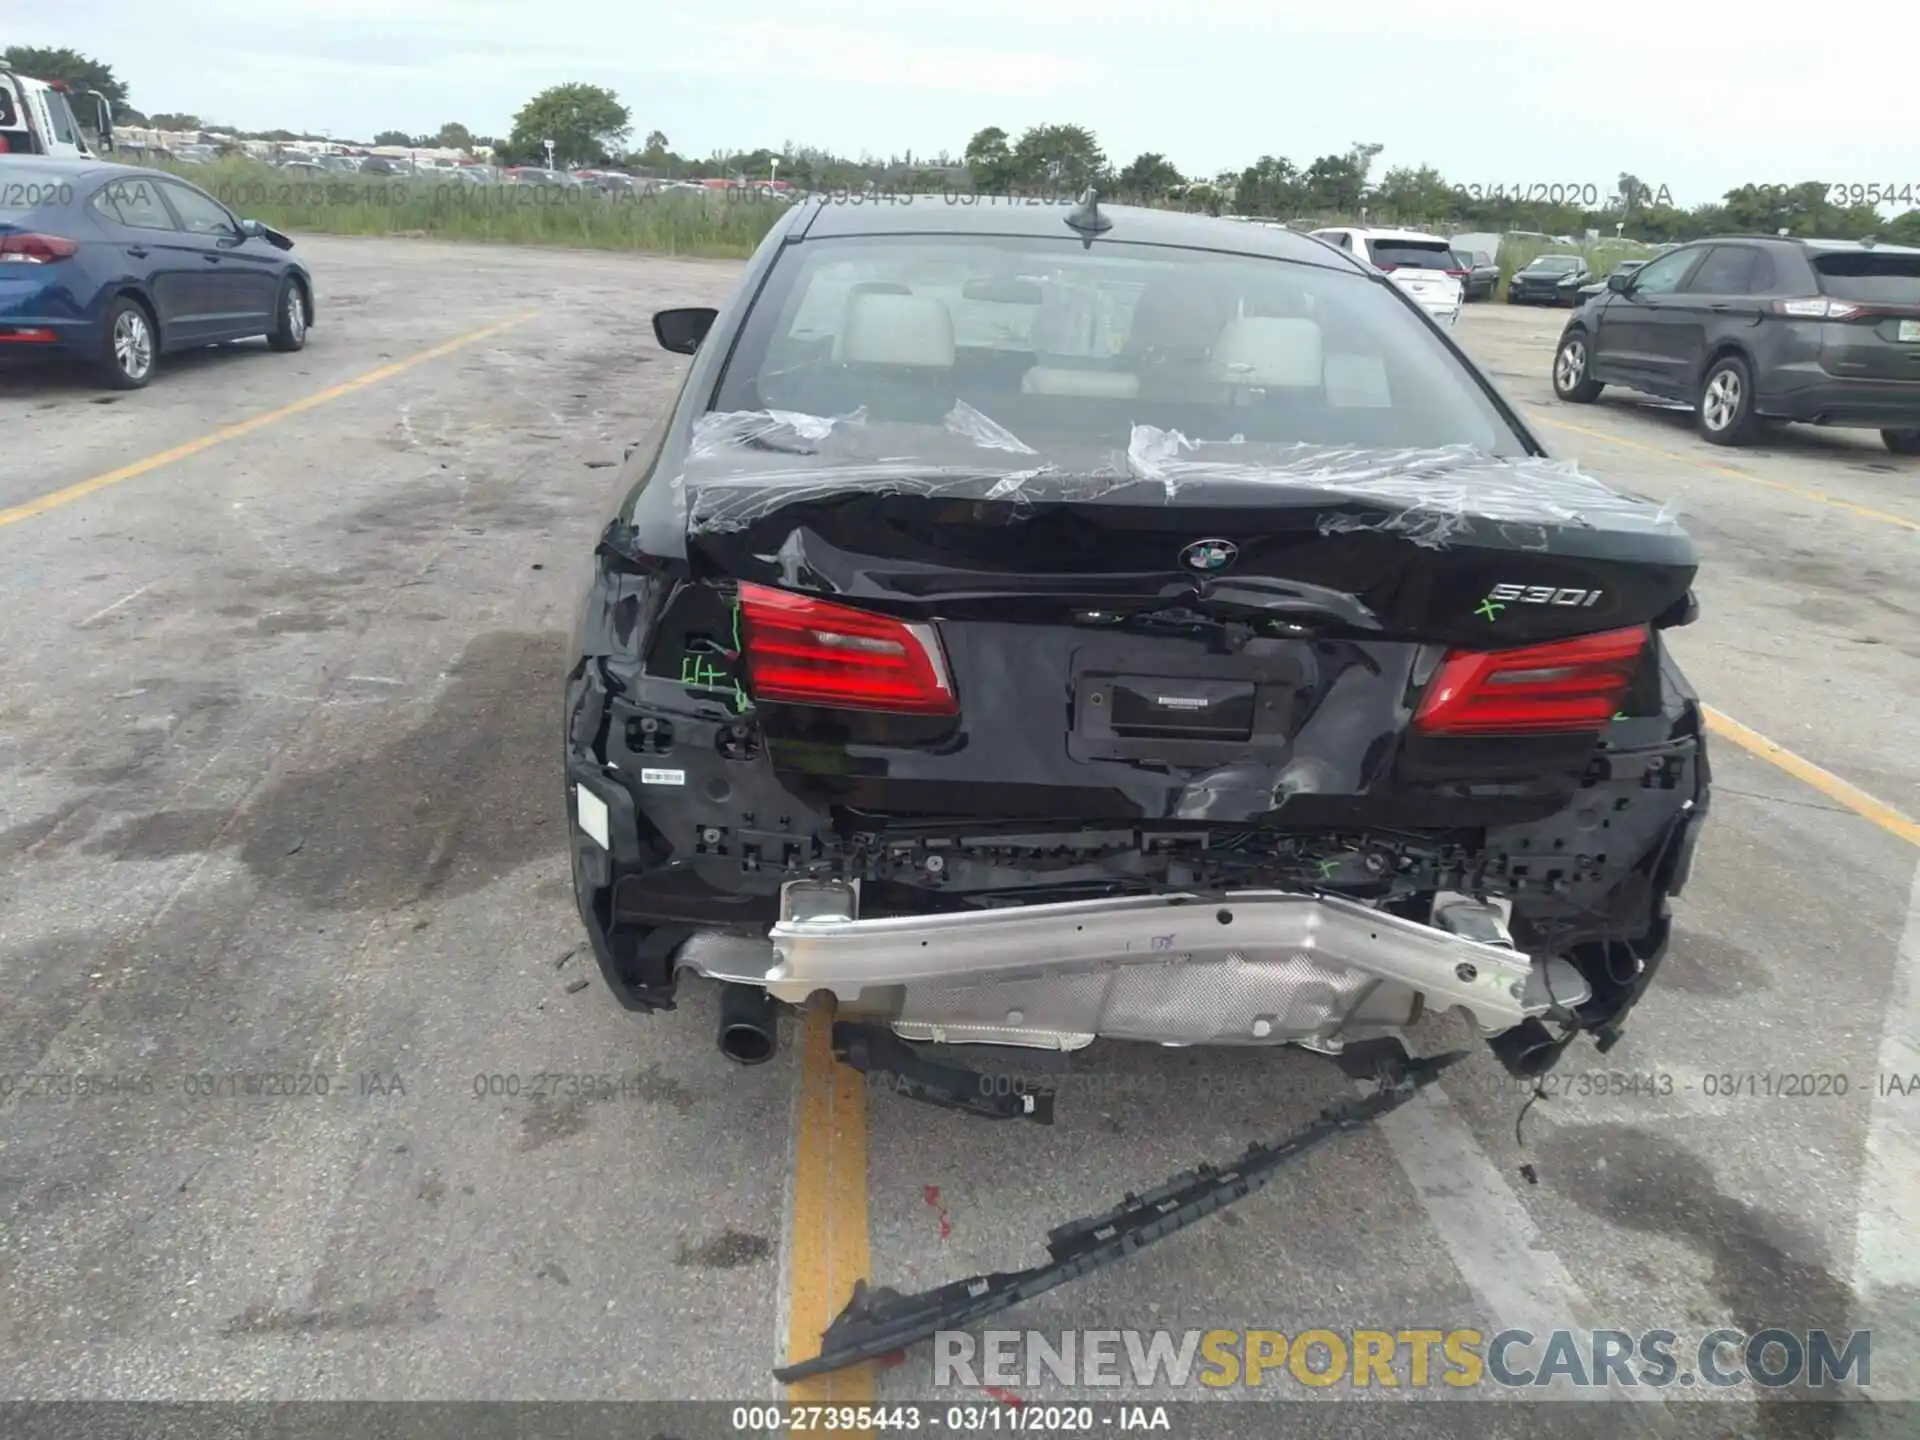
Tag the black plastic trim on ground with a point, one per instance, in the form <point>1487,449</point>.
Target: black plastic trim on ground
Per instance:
<point>880,1322</point>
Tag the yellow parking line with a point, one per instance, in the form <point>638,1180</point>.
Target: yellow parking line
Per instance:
<point>1808,773</point>
<point>830,1243</point>
<point>1820,497</point>
<point>147,466</point>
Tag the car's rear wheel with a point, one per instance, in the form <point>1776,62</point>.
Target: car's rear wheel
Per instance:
<point>1725,412</point>
<point>1571,382</point>
<point>1902,442</point>
<point>290,329</point>
<point>129,345</point>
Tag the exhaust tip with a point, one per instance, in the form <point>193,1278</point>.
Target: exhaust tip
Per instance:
<point>749,1030</point>
<point>747,1044</point>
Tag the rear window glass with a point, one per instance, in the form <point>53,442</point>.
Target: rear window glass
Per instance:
<point>9,115</point>
<point>1881,279</point>
<point>1058,343</point>
<point>1426,255</point>
<point>28,187</point>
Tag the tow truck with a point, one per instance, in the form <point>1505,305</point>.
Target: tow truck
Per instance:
<point>36,118</point>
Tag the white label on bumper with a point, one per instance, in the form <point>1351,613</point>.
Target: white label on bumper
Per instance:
<point>592,811</point>
<point>663,777</point>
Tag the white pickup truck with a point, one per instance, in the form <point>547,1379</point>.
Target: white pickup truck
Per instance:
<point>36,119</point>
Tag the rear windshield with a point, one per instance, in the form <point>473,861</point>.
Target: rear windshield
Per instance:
<point>9,114</point>
<point>1861,275</point>
<point>1555,265</point>
<point>26,186</point>
<point>1059,343</point>
<point>1423,254</point>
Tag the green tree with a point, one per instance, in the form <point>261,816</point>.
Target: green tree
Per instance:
<point>453,136</point>
<point>1406,195</point>
<point>989,160</point>
<point>1059,157</point>
<point>1148,177</point>
<point>393,137</point>
<point>1269,186</point>
<point>1903,229</point>
<point>656,142</point>
<point>167,120</point>
<point>78,72</point>
<point>583,121</point>
<point>1336,183</point>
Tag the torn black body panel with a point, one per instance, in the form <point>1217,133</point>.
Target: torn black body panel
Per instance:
<point>715,803</point>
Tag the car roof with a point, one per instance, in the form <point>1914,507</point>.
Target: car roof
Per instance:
<point>1367,234</point>
<point>77,167</point>
<point>1804,242</point>
<point>993,215</point>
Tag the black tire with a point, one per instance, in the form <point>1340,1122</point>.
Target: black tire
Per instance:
<point>290,327</point>
<point>130,345</point>
<point>1571,364</point>
<point>1724,413</point>
<point>1901,442</point>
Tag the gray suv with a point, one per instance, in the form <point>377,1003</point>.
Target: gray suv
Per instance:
<point>1754,331</point>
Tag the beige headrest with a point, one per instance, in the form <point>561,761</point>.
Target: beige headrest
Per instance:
<point>909,330</point>
<point>1268,351</point>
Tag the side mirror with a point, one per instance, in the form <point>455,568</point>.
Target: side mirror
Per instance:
<point>103,119</point>
<point>1619,284</point>
<point>681,331</point>
<point>258,230</point>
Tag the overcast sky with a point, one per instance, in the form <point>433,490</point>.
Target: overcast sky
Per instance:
<point>1691,96</point>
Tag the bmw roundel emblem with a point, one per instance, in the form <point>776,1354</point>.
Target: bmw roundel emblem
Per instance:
<point>1210,556</point>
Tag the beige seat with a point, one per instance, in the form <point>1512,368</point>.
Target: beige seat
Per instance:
<point>1080,384</point>
<point>1268,353</point>
<point>906,331</point>
<point>896,358</point>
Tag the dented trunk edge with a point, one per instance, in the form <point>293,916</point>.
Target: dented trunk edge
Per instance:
<point>743,465</point>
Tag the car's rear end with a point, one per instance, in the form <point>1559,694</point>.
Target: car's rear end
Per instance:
<point>51,259</point>
<point>1848,352</point>
<point>1427,269</point>
<point>1160,646</point>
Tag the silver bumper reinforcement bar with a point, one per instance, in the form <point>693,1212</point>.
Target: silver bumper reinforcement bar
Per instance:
<point>818,944</point>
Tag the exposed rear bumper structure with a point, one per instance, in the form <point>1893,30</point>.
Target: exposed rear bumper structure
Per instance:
<point>1249,968</point>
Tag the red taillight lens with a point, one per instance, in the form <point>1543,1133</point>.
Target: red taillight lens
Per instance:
<point>1460,274</point>
<point>1568,685</point>
<point>810,652</point>
<point>27,248</point>
<point>1819,307</point>
<point>1386,269</point>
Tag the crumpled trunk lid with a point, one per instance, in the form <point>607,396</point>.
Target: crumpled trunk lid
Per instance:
<point>1447,546</point>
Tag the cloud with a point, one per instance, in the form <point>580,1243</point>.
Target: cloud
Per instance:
<point>831,55</point>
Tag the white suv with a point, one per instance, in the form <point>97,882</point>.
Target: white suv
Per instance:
<point>1422,265</point>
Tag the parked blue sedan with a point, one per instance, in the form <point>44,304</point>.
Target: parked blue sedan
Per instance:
<point>116,265</point>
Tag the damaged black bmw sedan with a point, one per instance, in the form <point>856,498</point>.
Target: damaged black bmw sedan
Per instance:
<point>1037,624</point>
